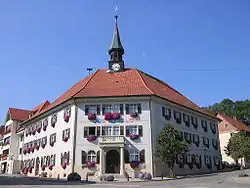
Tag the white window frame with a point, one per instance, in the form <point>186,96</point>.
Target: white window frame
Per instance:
<point>116,131</point>
<point>134,156</point>
<point>91,156</point>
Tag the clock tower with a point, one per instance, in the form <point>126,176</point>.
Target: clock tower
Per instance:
<point>116,63</point>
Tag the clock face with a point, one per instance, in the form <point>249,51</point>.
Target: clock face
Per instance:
<point>116,67</point>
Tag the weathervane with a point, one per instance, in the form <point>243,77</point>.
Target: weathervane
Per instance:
<point>116,13</point>
<point>89,70</point>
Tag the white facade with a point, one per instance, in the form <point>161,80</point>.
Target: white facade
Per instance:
<point>113,149</point>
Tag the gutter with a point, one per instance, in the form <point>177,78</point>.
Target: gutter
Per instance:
<point>74,138</point>
<point>150,136</point>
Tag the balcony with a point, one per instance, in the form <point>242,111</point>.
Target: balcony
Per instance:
<point>112,141</point>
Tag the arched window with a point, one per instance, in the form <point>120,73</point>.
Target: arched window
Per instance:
<point>134,156</point>
<point>126,156</point>
<point>91,156</point>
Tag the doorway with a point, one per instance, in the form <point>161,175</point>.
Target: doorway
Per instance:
<point>112,162</point>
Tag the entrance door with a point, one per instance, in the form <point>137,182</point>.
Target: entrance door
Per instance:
<point>112,162</point>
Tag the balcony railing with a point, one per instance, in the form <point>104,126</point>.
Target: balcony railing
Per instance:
<point>111,140</point>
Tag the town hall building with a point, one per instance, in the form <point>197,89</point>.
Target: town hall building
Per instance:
<point>108,122</point>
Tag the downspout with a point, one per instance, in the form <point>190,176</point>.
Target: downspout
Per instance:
<point>74,138</point>
<point>150,135</point>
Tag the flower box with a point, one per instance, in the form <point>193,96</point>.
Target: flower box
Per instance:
<point>66,118</point>
<point>53,124</point>
<point>90,164</point>
<point>43,167</point>
<point>28,150</point>
<point>134,164</point>
<point>44,127</point>
<point>32,149</point>
<point>65,139</point>
<point>92,116</point>
<point>134,114</point>
<point>51,167</point>
<point>24,151</point>
<point>30,169</point>
<point>38,129</point>
<point>25,171</point>
<point>37,147</point>
<point>64,165</point>
<point>34,132</point>
<point>134,136</point>
<point>116,115</point>
<point>91,137</point>
<point>108,116</point>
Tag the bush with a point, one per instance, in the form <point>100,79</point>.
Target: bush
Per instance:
<point>74,176</point>
<point>171,176</point>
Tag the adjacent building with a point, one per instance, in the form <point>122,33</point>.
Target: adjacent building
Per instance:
<point>227,127</point>
<point>108,122</point>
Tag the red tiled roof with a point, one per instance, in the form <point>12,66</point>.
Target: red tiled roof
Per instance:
<point>40,107</point>
<point>234,122</point>
<point>131,82</point>
<point>19,114</point>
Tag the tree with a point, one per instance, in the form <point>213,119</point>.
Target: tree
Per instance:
<point>169,145</point>
<point>240,109</point>
<point>238,147</point>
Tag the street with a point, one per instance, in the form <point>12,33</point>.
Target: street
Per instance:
<point>222,180</point>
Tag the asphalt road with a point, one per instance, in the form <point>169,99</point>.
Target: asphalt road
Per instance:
<point>222,180</point>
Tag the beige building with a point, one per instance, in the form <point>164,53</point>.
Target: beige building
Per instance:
<point>108,122</point>
<point>227,127</point>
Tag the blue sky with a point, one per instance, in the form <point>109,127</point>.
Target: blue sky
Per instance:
<point>200,47</point>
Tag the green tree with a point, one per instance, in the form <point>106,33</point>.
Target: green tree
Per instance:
<point>238,147</point>
<point>240,109</point>
<point>169,145</point>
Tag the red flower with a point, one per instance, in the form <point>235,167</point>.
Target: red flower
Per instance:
<point>134,164</point>
<point>51,167</point>
<point>37,147</point>
<point>32,150</point>
<point>116,115</point>
<point>65,139</point>
<point>28,150</point>
<point>43,167</point>
<point>108,116</point>
<point>53,123</point>
<point>134,136</point>
<point>66,118</point>
<point>38,130</point>
<point>64,165</point>
<point>90,164</point>
<point>134,114</point>
<point>24,151</point>
<point>92,116</point>
<point>30,169</point>
<point>91,137</point>
<point>25,170</point>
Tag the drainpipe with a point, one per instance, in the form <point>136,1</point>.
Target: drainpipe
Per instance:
<point>74,138</point>
<point>150,136</point>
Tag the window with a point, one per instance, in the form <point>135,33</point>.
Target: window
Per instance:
<point>84,157</point>
<point>106,108</point>
<point>21,138</point>
<point>91,156</point>
<point>90,131</point>
<point>94,109</point>
<point>134,156</point>
<point>52,139</point>
<point>116,108</point>
<point>226,125</point>
<point>66,133</point>
<point>134,129</point>
<point>116,131</point>
<point>133,108</point>
<point>20,150</point>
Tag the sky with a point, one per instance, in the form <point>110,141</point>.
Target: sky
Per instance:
<point>199,47</point>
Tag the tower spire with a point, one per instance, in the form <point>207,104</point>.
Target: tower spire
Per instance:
<point>116,50</point>
<point>116,44</point>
